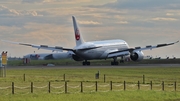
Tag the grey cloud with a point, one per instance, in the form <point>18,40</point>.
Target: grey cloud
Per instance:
<point>32,1</point>
<point>5,11</point>
<point>41,1</point>
<point>144,4</point>
<point>12,17</point>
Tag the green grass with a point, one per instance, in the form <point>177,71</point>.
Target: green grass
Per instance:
<point>114,74</point>
<point>109,96</point>
<point>41,76</point>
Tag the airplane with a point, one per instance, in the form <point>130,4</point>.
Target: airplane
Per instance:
<point>85,51</point>
<point>47,56</point>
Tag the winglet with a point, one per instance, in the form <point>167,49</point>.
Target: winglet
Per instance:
<point>177,41</point>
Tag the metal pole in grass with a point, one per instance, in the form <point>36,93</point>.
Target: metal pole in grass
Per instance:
<point>24,77</point>
<point>138,85</point>
<point>5,71</point>
<point>31,87</point>
<point>65,87</point>
<point>49,90</point>
<point>104,78</point>
<point>12,87</point>
<point>124,85</point>
<point>151,85</point>
<point>81,87</point>
<point>1,71</point>
<point>163,85</point>
<point>175,85</point>
<point>111,85</point>
<point>143,79</point>
<point>96,86</point>
<point>64,77</point>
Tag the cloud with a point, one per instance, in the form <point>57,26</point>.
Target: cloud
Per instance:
<point>173,13</point>
<point>5,11</point>
<point>164,19</point>
<point>56,1</point>
<point>169,14</point>
<point>144,4</point>
<point>32,1</point>
<point>89,22</point>
<point>123,22</point>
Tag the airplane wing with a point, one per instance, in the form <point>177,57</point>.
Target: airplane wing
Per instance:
<point>149,47</point>
<point>46,47</point>
<point>131,50</point>
<point>111,54</point>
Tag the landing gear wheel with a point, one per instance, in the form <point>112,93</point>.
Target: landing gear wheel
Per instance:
<point>85,63</point>
<point>88,63</point>
<point>121,61</point>
<point>114,63</point>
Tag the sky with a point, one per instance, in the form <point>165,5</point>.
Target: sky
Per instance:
<point>49,22</point>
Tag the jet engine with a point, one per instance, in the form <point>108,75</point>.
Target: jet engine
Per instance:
<point>137,56</point>
<point>77,58</point>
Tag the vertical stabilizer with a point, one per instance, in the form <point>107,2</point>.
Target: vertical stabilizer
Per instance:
<point>78,36</point>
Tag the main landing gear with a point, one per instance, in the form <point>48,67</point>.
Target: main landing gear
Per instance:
<point>122,59</point>
<point>115,62</point>
<point>86,63</point>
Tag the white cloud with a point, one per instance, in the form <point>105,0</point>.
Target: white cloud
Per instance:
<point>144,4</point>
<point>32,1</point>
<point>5,11</point>
<point>164,19</point>
<point>89,22</point>
<point>123,22</point>
<point>169,14</point>
<point>57,1</point>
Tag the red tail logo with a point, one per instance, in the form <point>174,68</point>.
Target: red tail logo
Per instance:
<point>77,35</point>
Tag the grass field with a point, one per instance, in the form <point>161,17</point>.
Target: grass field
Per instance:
<point>74,76</point>
<point>109,96</point>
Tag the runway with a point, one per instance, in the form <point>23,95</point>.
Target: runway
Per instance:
<point>98,66</point>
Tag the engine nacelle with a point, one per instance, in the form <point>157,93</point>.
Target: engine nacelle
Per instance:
<point>77,58</point>
<point>137,56</point>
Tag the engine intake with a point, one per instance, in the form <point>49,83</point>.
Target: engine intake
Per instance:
<point>137,56</point>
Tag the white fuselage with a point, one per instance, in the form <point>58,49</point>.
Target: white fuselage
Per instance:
<point>46,56</point>
<point>100,49</point>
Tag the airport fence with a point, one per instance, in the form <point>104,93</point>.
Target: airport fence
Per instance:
<point>73,83</point>
<point>103,78</point>
<point>84,87</point>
